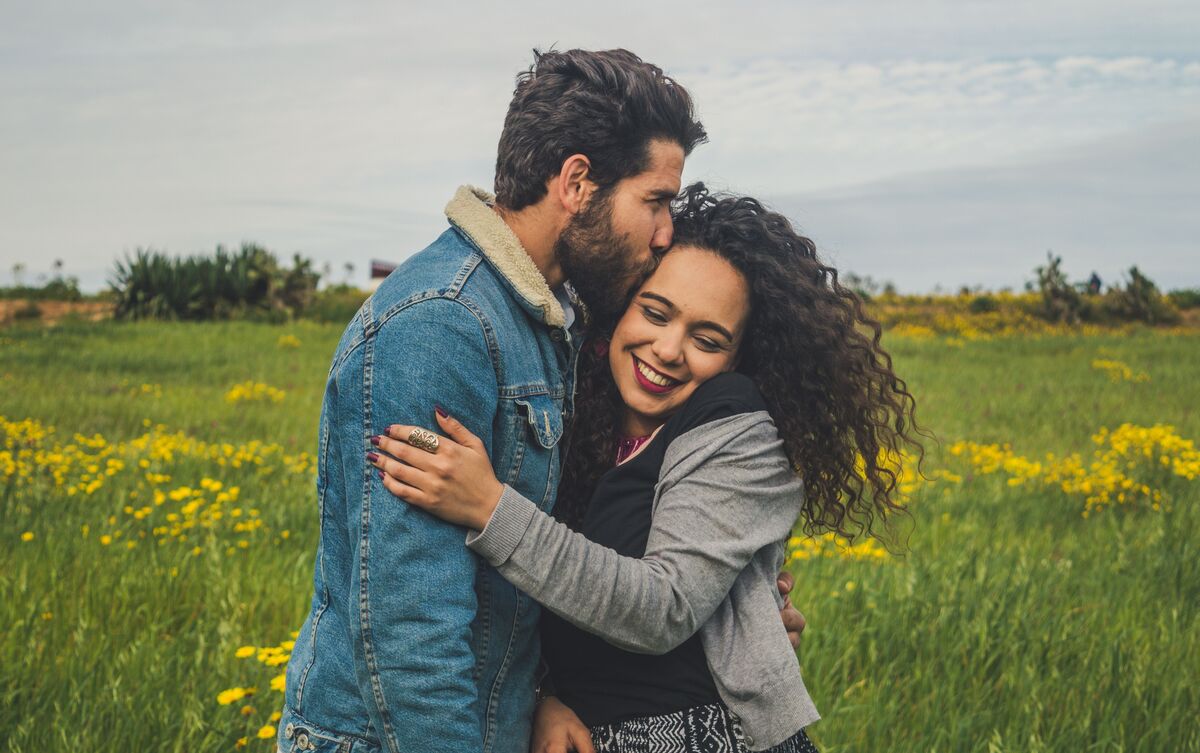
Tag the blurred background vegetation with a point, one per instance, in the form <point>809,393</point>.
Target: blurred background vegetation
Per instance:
<point>251,283</point>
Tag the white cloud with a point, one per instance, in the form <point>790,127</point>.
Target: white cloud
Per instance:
<point>828,123</point>
<point>339,130</point>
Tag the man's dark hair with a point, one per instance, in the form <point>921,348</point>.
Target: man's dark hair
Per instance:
<point>607,105</point>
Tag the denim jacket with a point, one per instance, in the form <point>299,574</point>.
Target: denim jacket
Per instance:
<point>412,643</point>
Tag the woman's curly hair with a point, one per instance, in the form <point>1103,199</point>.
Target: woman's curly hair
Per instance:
<point>844,416</point>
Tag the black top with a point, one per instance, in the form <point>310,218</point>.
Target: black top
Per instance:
<point>600,682</point>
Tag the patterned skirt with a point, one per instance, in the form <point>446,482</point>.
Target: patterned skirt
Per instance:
<point>700,729</point>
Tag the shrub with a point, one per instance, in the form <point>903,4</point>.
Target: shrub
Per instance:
<point>1185,298</point>
<point>1061,302</point>
<point>865,286</point>
<point>983,304</point>
<point>336,304</point>
<point>247,283</point>
<point>58,289</point>
<point>1138,301</point>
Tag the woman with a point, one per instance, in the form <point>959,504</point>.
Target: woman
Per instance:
<point>738,363</point>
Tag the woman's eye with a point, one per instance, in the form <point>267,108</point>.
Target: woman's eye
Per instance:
<point>653,315</point>
<point>706,344</point>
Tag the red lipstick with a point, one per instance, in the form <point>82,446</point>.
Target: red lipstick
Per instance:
<point>646,384</point>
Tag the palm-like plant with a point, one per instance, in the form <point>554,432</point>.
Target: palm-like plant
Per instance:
<point>247,282</point>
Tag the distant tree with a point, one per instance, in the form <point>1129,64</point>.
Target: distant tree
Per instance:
<point>1139,301</point>
<point>864,285</point>
<point>1061,302</point>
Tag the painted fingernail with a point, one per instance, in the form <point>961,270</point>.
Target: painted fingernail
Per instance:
<point>375,441</point>
<point>372,457</point>
<point>382,474</point>
<point>441,411</point>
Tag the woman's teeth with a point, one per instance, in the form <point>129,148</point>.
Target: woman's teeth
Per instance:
<point>654,377</point>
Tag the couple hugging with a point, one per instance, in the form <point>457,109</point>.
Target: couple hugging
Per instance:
<point>562,449</point>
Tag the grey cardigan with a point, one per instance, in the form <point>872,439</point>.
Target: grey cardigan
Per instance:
<point>724,505</point>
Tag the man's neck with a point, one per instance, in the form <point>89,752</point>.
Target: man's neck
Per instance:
<point>537,230</point>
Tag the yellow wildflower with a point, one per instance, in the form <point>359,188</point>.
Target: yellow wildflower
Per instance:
<point>233,695</point>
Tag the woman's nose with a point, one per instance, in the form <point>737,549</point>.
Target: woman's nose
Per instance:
<point>668,348</point>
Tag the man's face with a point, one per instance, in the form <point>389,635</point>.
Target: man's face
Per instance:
<point>610,246</point>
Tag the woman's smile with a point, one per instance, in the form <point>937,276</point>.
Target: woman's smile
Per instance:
<point>652,380</point>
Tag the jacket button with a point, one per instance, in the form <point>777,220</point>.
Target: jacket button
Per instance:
<point>749,740</point>
<point>289,730</point>
<point>302,741</point>
<point>556,335</point>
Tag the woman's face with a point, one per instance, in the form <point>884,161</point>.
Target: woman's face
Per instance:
<point>684,327</point>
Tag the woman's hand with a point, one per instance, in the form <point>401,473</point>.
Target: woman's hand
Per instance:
<point>456,482</point>
<point>556,729</point>
<point>793,621</point>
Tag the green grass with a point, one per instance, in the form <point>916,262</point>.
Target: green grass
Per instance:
<point>1012,623</point>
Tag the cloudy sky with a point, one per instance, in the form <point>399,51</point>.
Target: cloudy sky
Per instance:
<point>928,143</point>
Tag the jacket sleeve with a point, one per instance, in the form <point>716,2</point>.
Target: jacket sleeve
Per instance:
<point>412,596</point>
<point>707,525</point>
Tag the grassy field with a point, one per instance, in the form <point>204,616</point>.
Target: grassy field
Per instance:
<point>157,514</point>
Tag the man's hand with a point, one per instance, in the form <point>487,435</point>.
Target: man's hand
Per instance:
<point>556,729</point>
<point>793,621</point>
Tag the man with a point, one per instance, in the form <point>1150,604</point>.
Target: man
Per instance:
<point>411,643</point>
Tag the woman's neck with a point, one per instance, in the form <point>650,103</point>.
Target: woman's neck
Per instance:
<point>636,425</point>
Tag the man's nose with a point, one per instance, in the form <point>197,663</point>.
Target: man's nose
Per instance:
<point>663,234</point>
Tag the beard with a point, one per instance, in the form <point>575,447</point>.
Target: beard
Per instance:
<point>599,262</point>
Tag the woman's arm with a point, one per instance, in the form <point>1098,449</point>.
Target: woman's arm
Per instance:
<point>707,525</point>
<point>726,491</point>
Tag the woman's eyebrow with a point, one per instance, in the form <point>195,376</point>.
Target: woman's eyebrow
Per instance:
<point>718,328</point>
<point>706,324</point>
<point>656,297</point>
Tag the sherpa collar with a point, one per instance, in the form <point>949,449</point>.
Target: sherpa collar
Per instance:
<point>471,212</point>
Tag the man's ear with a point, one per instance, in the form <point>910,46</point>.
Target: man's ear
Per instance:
<point>573,186</point>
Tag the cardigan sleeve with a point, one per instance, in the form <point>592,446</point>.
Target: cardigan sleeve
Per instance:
<point>726,491</point>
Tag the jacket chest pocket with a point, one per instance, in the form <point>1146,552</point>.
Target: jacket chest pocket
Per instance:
<point>526,450</point>
<point>544,416</point>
